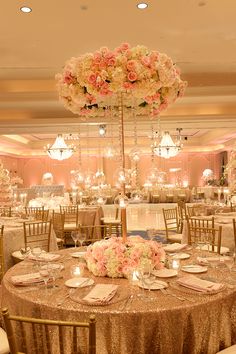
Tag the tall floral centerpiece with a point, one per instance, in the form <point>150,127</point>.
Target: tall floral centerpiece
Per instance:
<point>92,82</point>
<point>125,79</point>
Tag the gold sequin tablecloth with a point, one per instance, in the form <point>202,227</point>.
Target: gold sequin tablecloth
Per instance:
<point>165,325</point>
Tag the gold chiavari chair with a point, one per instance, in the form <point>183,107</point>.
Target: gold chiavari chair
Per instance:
<point>172,225</point>
<point>37,234</point>
<point>207,235</point>
<point>5,211</point>
<point>195,210</point>
<point>58,221</point>
<point>38,213</point>
<point>71,213</point>
<point>34,335</point>
<point>95,233</point>
<point>1,253</point>
<point>113,223</point>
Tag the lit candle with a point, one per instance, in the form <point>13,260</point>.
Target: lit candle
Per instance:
<point>77,270</point>
<point>176,264</point>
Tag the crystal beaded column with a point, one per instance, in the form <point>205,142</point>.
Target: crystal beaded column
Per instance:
<point>122,156</point>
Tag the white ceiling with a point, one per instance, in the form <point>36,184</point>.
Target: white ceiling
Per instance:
<point>199,35</point>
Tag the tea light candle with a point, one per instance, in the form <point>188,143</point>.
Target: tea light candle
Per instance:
<point>77,270</point>
<point>175,264</point>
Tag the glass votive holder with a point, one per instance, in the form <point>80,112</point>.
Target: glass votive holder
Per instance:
<point>175,264</point>
<point>77,270</point>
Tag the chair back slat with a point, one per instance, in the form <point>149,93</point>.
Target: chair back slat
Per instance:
<point>49,336</point>
<point>2,266</point>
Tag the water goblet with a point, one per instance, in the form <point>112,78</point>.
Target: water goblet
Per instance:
<point>75,236</point>
<point>81,238</point>
<point>55,270</point>
<point>36,252</point>
<point>44,271</point>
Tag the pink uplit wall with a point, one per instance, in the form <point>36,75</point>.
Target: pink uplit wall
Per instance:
<point>191,166</point>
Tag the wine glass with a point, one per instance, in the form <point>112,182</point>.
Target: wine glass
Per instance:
<point>151,233</point>
<point>229,260</point>
<point>55,270</point>
<point>75,237</point>
<point>81,238</point>
<point>44,271</point>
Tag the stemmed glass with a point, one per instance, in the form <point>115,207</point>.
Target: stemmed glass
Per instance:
<point>151,233</point>
<point>81,237</point>
<point>146,277</point>
<point>44,271</point>
<point>75,236</point>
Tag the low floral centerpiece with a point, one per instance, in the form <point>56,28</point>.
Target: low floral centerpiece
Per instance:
<point>114,258</point>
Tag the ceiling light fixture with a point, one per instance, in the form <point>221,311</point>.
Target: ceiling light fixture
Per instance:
<point>142,5</point>
<point>59,150</point>
<point>167,148</point>
<point>26,9</point>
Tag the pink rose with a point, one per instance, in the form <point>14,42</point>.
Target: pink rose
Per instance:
<point>69,78</point>
<point>145,61</point>
<point>132,76</point>
<point>111,62</point>
<point>131,65</point>
<point>92,78</point>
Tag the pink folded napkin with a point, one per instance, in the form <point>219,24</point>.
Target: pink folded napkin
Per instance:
<point>26,279</point>
<point>47,257</point>
<point>101,293</point>
<point>175,247</point>
<point>201,285</point>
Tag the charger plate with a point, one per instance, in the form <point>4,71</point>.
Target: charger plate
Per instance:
<point>78,295</point>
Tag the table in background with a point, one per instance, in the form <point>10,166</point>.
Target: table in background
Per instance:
<point>163,326</point>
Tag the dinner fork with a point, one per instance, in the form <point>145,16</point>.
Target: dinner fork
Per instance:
<point>167,292</point>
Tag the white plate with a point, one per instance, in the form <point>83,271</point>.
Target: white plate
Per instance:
<point>165,273</point>
<point>79,282</point>
<point>181,256</point>
<point>78,254</point>
<point>194,269</point>
<point>157,285</point>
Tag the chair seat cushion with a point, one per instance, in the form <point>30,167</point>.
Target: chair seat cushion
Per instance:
<point>4,346</point>
<point>230,350</point>
<point>175,237</point>
<point>111,221</point>
<point>70,226</point>
<point>223,250</point>
<point>18,256</point>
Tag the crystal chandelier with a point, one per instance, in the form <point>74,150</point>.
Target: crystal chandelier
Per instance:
<point>167,148</point>
<point>59,150</point>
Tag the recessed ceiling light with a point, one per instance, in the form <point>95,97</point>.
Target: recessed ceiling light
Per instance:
<point>142,5</point>
<point>25,9</point>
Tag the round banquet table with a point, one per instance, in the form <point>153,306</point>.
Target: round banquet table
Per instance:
<point>165,325</point>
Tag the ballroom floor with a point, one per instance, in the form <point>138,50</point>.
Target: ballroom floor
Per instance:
<point>141,216</point>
